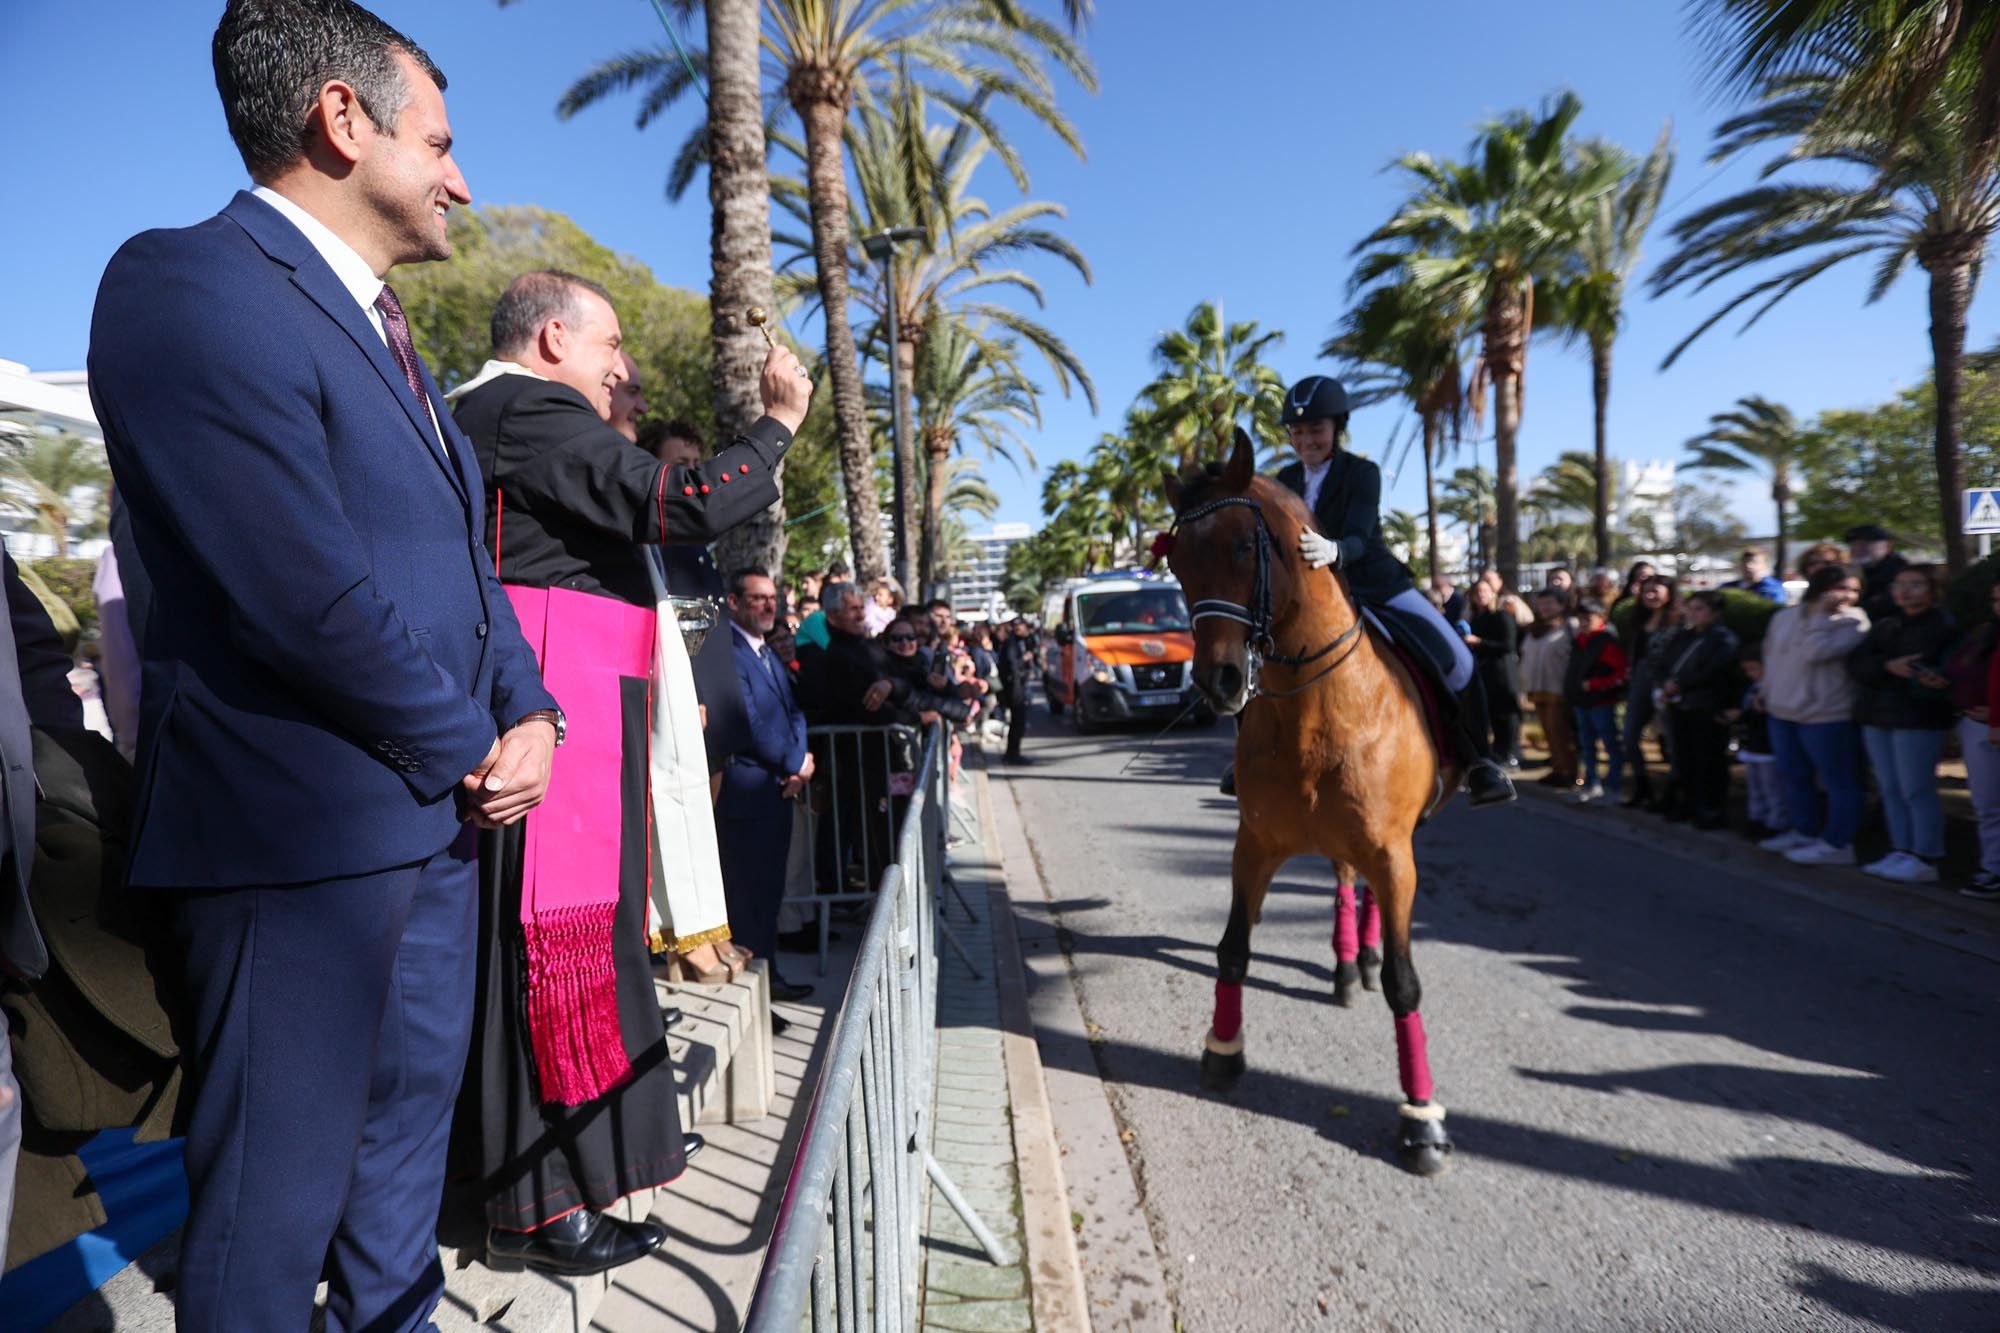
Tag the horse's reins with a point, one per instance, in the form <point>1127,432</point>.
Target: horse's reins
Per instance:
<point>1257,615</point>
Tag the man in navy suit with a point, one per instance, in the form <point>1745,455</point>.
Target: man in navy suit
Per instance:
<point>333,678</point>
<point>752,820</point>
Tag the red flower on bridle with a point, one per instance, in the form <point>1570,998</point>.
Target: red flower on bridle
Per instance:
<point>1163,546</point>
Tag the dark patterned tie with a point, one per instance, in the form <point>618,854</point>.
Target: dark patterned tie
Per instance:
<point>397,326</point>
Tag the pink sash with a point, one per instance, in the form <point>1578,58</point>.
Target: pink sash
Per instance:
<point>569,865</point>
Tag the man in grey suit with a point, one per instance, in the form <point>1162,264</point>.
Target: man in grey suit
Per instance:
<point>34,690</point>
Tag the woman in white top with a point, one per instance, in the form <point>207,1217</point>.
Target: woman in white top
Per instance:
<point>1809,696</point>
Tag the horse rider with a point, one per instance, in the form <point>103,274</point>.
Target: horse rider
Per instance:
<point>1344,493</point>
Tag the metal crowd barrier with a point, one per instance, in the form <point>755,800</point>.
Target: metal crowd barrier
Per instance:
<point>847,1246</point>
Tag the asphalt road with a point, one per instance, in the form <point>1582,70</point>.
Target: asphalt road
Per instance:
<point>1687,1092</point>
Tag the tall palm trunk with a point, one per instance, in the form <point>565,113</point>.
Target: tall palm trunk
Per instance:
<point>1952,276</point>
<point>822,100</point>
<point>1600,392</point>
<point>1432,431</point>
<point>919,557</point>
<point>1506,343</point>
<point>739,246</point>
<point>937,453</point>
<point>1781,496</point>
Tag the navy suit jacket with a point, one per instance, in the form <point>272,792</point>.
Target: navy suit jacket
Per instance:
<point>327,652</point>
<point>777,729</point>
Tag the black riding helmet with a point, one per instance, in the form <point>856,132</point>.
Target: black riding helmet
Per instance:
<point>1315,398</point>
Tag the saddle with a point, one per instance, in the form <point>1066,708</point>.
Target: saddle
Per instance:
<point>1412,648</point>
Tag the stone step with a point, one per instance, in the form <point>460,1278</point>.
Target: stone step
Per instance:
<point>721,1051</point>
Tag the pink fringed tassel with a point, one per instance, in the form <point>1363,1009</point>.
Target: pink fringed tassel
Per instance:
<point>1371,920</point>
<point>1228,1010</point>
<point>1413,1059</point>
<point>1346,940</point>
<point>573,1004</point>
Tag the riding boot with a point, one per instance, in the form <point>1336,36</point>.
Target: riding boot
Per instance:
<point>1486,783</point>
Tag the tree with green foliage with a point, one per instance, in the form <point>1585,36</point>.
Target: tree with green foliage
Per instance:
<point>823,56</point>
<point>1760,437</point>
<point>1488,233</point>
<point>1210,378</point>
<point>1590,298</point>
<point>1469,501</point>
<point>56,482</point>
<point>1921,192</point>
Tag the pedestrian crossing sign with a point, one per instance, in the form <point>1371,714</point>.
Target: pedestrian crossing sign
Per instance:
<point>1982,510</point>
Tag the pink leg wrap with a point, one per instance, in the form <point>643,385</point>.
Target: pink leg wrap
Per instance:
<point>1413,1060</point>
<point>1228,1010</point>
<point>1346,941</point>
<point>1371,920</point>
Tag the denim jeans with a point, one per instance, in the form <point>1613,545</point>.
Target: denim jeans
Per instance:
<point>1982,774</point>
<point>1808,754</point>
<point>1594,725</point>
<point>1905,761</point>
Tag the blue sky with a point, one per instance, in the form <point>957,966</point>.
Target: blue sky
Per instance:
<point>1235,153</point>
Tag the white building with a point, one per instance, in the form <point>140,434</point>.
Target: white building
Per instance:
<point>45,402</point>
<point>976,589</point>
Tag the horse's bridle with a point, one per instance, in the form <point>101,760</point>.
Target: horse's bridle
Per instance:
<point>1256,616</point>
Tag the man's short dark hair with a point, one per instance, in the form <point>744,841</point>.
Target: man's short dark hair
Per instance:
<point>739,577</point>
<point>938,604</point>
<point>532,300</point>
<point>272,57</point>
<point>1709,598</point>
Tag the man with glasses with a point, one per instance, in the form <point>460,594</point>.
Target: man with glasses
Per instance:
<point>753,818</point>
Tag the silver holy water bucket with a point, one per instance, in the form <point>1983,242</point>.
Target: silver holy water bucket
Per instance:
<point>696,616</point>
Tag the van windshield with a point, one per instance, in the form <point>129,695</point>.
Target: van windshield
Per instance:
<point>1139,611</point>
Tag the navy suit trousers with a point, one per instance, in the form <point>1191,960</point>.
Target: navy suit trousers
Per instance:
<point>753,834</point>
<point>330,1024</point>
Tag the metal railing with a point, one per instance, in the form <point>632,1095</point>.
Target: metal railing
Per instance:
<point>847,1245</point>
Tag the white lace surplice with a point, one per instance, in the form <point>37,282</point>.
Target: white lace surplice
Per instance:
<point>687,870</point>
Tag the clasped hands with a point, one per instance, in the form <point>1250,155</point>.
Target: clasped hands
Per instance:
<point>796,783</point>
<point>513,777</point>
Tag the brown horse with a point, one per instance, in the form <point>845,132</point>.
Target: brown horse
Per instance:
<point>1333,756</point>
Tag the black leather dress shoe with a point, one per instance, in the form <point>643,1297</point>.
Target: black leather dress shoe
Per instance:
<point>691,1144</point>
<point>674,1017</point>
<point>581,1243</point>
<point>782,989</point>
<point>780,1025</point>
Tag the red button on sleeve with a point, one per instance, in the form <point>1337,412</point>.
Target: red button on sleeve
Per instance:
<point>689,490</point>
<point>704,490</point>
<point>743,468</point>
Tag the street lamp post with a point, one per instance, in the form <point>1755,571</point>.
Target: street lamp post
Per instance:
<point>881,248</point>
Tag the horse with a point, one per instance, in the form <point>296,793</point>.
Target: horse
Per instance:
<point>1334,756</point>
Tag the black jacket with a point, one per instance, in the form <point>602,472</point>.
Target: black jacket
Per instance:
<point>833,679</point>
<point>570,501</point>
<point>1497,657</point>
<point>1704,666</point>
<point>1017,664</point>
<point>1875,580</point>
<point>1350,512</point>
<point>915,672</point>
<point>1888,700</point>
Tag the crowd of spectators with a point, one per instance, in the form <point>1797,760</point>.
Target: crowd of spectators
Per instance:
<point>1854,677</point>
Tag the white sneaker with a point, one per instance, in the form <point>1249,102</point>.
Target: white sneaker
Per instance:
<point>1887,867</point>
<point>1787,841</point>
<point>1585,795</point>
<point>1912,870</point>
<point>1818,853</point>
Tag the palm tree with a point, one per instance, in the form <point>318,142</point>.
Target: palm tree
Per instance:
<point>824,54</point>
<point>1757,436</point>
<point>1931,196</point>
<point>1590,300</point>
<point>1485,235</point>
<point>1211,376</point>
<point>967,387</point>
<point>1403,534</point>
<point>1413,344</point>
<point>41,476</point>
<point>1895,55</point>
<point>1469,500</point>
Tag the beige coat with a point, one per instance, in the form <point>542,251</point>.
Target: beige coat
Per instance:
<point>1805,664</point>
<point>1545,660</point>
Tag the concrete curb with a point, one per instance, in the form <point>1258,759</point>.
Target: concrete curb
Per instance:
<point>1055,1270</point>
<point>1124,1280</point>
<point>1938,917</point>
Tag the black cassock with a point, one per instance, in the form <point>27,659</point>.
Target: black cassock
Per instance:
<point>571,504</point>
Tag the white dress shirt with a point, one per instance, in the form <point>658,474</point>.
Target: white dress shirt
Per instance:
<point>1316,478</point>
<point>349,267</point>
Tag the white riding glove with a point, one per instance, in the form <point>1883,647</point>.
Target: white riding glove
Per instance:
<point>1318,551</point>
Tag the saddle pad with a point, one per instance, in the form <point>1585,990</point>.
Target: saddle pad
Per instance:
<point>1428,677</point>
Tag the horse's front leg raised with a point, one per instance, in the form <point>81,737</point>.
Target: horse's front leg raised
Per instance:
<point>1421,1141</point>
<point>1251,868</point>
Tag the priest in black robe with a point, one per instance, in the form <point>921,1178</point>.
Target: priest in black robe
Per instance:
<point>569,1103</point>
